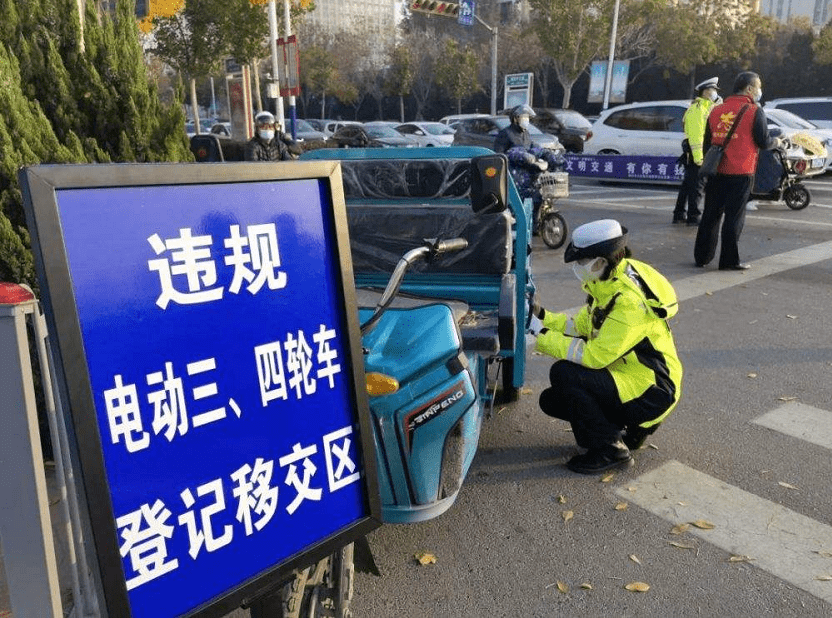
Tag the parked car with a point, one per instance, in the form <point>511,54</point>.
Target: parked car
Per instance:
<point>796,128</point>
<point>221,130</point>
<point>306,133</point>
<point>204,124</point>
<point>358,136</point>
<point>570,127</point>
<point>814,109</point>
<point>428,133</point>
<point>382,123</point>
<point>651,128</point>
<point>457,117</point>
<point>481,131</point>
<point>388,136</point>
<point>319,124</point>
<point>332,126</point>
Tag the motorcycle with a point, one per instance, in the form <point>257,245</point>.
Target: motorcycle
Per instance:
<point>550,224</point>
<point>534,180</point>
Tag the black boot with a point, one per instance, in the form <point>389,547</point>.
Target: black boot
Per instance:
<point>634,436</point>
<point>600,459</point>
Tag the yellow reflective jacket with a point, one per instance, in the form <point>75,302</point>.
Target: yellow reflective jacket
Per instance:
<point>624,330</point>
<point>695,119</point>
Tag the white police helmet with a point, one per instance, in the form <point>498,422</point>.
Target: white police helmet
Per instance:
<point>605,238</point>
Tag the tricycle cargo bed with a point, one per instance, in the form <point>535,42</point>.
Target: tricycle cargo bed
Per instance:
<point>398,199</point>
<point>381,232</point>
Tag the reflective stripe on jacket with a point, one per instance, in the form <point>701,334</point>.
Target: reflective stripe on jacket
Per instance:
<point>695,119</point>
<point>740,156</point>
<point>621,330</point>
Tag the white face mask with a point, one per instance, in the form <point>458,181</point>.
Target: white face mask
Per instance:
<point>523,121</point>
<point>712,95</point>
<point>267,135</point>
<point>587,270</point>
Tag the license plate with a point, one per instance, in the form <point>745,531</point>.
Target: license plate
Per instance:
<point>818,163</point>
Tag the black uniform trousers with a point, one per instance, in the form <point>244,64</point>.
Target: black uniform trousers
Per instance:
<point>588,400</point>
<point>690,194</point>
<point>724,195</point>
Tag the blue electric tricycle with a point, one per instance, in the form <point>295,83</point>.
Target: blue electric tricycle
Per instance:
<point>440,244</point>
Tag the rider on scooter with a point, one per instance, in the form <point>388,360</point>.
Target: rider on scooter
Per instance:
<point>526,160</point>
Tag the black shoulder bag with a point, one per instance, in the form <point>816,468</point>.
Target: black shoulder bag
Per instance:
<point>714,155</point>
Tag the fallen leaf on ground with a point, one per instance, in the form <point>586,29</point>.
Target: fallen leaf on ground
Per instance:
<point>709,293</point>
<point>735,558</point>
<point>786,485</point>
<point>703,524</point>
<point>586,586</point>
<point>679,529</point>
<point>791,317</point>
<point>424,557</point>
<point>824,554</point>
<point>526,391</point>
<point>607,477</point>
<point>635,559</point>
<point>562,499</point>
<point>786,398</point>
<point>563,588</point>
<point>824,578</point>
<point>621,506</point>
<point>637,587</point>
<point>752,375</point>
<point>653,446</point>
<point>567,515</point>
<point>681,545</point>
<point>632,489</point>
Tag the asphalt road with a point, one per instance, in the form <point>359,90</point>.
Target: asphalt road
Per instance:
<point>747,454</point>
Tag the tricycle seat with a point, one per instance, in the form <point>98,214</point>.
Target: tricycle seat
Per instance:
<point>479,329</point>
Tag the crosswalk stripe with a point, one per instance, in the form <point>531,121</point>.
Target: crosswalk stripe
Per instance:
<point>782,542</point>
<point>800,421</point>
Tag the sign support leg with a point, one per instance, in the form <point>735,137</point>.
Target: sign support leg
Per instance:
<point>25,525</point>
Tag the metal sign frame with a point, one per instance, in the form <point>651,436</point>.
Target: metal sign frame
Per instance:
<point>42,188</point>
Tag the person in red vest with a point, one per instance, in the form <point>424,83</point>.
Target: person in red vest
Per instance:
<point>727,192</point>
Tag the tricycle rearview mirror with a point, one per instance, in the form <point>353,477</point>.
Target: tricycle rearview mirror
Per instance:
<point>489,183</point>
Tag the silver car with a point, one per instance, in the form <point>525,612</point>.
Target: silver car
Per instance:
<point>481,131</point>
<point>428,133</point>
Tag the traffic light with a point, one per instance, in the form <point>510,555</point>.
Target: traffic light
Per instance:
<point>435,7</point>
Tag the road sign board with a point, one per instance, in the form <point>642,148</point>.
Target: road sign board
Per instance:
<point>466,12</point>
<point>206,337</point>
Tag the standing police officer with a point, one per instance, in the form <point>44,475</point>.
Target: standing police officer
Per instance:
<point>617,376</point>
<point>695,119</point>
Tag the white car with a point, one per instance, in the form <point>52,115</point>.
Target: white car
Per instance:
<point>817,110</point>
<point>449,120</point>
<point>800,131</point>
<point>651,128</point>
<point>428,133</point>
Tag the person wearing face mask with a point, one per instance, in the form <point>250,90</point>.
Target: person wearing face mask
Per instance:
<point>525,159</point>
<point>727,192</point>
<point>269,143</point>
<point>617,374</point>
<point>696,116</point>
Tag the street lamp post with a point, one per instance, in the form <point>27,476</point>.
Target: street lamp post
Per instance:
<point>611,59</point>
<point>273,86</point>
<point>493,30</point>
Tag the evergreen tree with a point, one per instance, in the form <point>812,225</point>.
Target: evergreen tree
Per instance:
<point>68,100</point>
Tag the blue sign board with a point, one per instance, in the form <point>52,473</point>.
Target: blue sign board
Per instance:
<point>626,167</point>
<point>220,342</point>
<point>466,12</point>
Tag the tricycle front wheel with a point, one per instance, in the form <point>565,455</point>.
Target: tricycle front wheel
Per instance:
<point>797,197</point>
